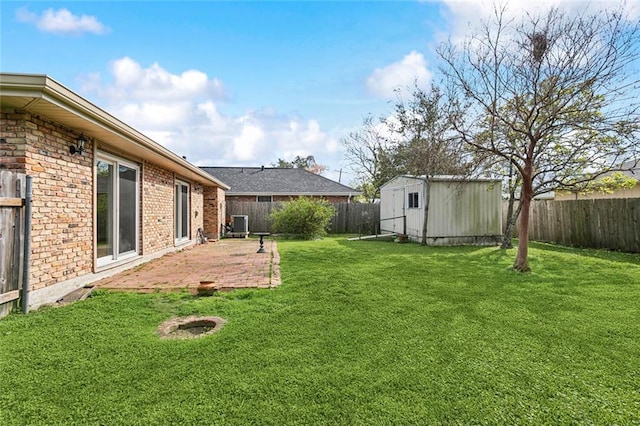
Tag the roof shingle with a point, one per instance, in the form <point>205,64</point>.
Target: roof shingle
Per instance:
<point>277,181</point>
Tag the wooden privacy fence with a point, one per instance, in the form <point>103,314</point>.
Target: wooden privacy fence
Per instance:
<point>603,223</point>
<point>15,222</point>
<point>356,218</point>
<point>349,218</point>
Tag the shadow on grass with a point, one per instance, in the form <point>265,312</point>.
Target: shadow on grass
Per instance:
<point>602,254</point>
<point>501,254</point>
<point>410,245</point>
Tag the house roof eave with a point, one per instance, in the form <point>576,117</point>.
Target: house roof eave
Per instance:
<point>41,95</point>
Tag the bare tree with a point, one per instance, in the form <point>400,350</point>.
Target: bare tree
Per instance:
<point>563,86</point>
<point>425,143</point>
<point>371,157</point>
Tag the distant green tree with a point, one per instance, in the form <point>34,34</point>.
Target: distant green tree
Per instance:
<point>307,163</point>
<point>282,164</point>
<point>302,217</point>
<point>371,157</point>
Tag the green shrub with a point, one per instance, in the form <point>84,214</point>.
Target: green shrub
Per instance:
<point>303,218</point>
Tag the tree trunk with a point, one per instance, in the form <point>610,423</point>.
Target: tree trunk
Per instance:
<point>508,232</point>
<point>522,263</point>
<point>512,218</point>
<point>425,222</point>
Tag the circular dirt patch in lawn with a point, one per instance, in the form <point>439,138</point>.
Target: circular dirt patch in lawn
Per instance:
<point>189,327</point>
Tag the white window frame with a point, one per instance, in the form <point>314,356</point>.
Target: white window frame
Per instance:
<point>116,256</point>
<point>178,212</point>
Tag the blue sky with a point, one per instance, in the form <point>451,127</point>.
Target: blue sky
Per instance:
<point>238,83</point>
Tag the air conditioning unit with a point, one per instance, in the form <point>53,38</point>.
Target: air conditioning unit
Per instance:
<point>240,225</point>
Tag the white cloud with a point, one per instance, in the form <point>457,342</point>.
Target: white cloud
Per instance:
<point>182,111</point>
<point>465,13</point>
<point>157,115</point>
<point>403,74</point>
<point>62,21</point>
<point>247,144</point>
<point>157,83</point>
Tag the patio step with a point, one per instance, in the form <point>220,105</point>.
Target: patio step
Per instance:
<point>76,295</point>
<point>385,236</point>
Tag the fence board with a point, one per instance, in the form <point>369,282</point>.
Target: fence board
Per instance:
<point>12,189</point>
<point>612,223</point>
<point>10,296</point>
<point>349,218</point>
<point>10,202</point>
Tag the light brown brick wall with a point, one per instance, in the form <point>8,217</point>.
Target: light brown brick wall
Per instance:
<point>62,220</point>
<point>158,227</point>
<point>62,244</point>
<point>214,211</point>
<point>12,140</point>
<point>197,206</point>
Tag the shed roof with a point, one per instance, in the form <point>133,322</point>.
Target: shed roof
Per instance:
<point>444,178</point>
<point>41,95</point>
<point>277,181</point>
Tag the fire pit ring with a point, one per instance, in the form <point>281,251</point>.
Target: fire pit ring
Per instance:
<point>190,327</point>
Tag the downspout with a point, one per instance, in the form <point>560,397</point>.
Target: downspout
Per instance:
<point>27,246</point>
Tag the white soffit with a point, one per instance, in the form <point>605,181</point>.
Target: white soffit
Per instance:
<point>43,96</point>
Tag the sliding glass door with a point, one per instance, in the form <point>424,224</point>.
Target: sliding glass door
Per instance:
<point>182,211</point>
<point>117,209</point>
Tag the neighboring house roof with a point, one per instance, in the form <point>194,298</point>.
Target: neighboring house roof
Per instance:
<point>631,168</point>
<point>277,181</point>
<point>41,95</point>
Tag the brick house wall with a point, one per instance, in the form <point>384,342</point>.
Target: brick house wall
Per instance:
<point>157,208</point>
<point>62,221</point>
<point>214,211</point>
<point>62,238</point>
<point>197,206</point>
<point>12,141</point>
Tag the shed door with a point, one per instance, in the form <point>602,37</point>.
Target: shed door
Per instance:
<point>398,210</point>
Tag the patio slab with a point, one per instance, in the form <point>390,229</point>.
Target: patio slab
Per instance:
<point>227,264</point>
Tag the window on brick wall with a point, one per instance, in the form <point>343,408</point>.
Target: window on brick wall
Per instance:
<point>182,209</point>
<point>117,209</point>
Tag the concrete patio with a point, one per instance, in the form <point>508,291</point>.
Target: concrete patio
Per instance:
<point>226,264</point>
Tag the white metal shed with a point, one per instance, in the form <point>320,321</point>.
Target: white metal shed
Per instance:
<point>461,210</point>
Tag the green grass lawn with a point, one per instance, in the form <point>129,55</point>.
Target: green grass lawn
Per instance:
<point>360,332</point>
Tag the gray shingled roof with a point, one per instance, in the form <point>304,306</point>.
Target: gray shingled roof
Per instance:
<point>634,168</point>
<point>630,169</point>
<point>277,181</point>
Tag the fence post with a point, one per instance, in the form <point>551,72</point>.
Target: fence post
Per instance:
<point>27,246</point>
